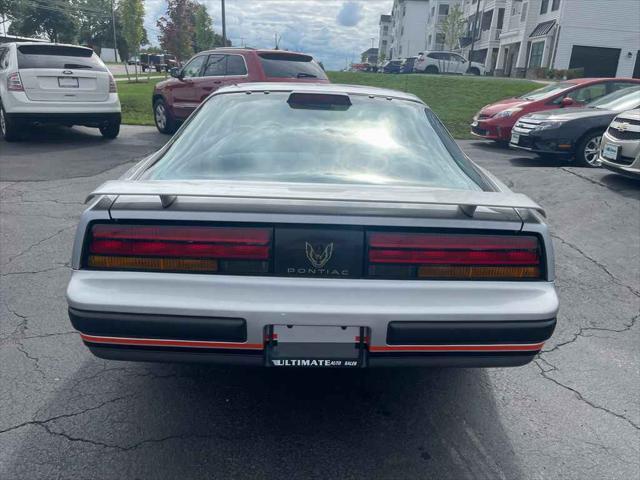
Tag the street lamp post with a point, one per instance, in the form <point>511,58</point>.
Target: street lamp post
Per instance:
<point>224,27</point>
<point>113,22</point>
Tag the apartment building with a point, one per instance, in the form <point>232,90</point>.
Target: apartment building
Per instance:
<point>438,12</point>
<point>408,20</point>
<point>484,23</point>
<point>384,37</point>
<point>601,37</point>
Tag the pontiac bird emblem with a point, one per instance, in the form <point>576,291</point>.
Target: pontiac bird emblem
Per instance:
<point>318,260</point>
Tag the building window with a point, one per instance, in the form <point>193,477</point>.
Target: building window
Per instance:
<point>535,59</point>
<point>385,30</point>
<point>500,18</point>
<point>555,5</point>
<point>487,17</point>
<point>544,6</point>
<point>443,9</point>
<point>402,30</point>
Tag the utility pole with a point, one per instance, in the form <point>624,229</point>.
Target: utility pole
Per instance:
<point>372,39</point>
<point>242,42</point>
<point>473,34</point>
<point>224,26</point>
<point>113,22</point>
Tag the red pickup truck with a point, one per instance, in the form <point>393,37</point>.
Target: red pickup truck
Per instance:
<point>174,99</point>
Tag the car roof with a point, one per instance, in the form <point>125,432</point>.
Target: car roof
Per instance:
<point>20,44</point>
<point>254,50</point>
<point>318,88</point>
<point>600,79</point>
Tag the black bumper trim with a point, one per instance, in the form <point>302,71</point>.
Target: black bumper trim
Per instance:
<point>469,333</point>
<point>88,119</point>
<point>159,326</point>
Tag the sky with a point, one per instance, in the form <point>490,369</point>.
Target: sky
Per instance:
<point>333,31</point>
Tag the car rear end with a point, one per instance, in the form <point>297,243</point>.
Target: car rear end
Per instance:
<point>317,267</point>
<point>53,83</point>
<point>620,146</point>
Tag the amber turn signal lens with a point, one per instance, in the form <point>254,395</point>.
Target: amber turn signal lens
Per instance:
<point>487,272</point>
<point>151,263</point>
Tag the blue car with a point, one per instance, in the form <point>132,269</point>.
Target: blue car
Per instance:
<point>392,66</point>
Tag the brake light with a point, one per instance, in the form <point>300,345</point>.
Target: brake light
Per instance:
<point>453,256</point>
<point>112,85</point>
<point>14,83</point>
<point>179,249</point>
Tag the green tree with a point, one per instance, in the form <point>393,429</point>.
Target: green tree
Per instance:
<point>132,14</point>
<point>203,35</point>
<point>55,20</point>
<point>452,27</point>
<point>176,28</point>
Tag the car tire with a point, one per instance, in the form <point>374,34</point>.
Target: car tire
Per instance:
<point>474,71</point>
<point>165,123</point>
<point>432,70</point>
<point>587,151</point>
<point>110,130</point>
<point>9,128</point>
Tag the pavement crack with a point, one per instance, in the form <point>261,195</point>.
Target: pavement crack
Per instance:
<point>582,330</point>
<point>34,360</point>
<point>597,263</point>
<point>39,242</point>
<point>65,415</point>
<point>545,374</point>
<point>34,272</point>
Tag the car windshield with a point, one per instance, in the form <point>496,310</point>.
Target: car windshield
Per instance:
<point>266,137</point>
<point>619,101</point>
<point>548,91</point>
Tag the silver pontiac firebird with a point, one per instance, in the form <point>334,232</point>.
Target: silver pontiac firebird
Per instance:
<point>290,225</point>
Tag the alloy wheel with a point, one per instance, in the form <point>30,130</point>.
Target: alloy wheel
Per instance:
<point>161,116</point>
<point>591,151</point>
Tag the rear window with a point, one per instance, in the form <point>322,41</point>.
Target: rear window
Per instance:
<point>58,56</point>
<point>280,65</point>
<point>271,138</point>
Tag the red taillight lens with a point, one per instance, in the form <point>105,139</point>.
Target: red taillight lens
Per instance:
<point>14,83</point>
<point>181,249</point>
<point>112,85</point>
<point>453,256</point>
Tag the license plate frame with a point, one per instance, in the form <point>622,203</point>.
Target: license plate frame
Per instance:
<point>68,82</point>
<point>315,346</point>
<point>610,151</point>
<point>515,138</point>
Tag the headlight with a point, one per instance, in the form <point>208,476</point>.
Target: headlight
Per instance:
<point>508,112</point>
<point>547,125</point>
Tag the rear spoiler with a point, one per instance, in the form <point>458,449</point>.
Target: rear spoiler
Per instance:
<point>168,191</point>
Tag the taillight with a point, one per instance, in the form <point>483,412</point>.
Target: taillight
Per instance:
<point>112,85</point>
<point>453,256</point>
<point>14,83</point>
<point>231,250</point>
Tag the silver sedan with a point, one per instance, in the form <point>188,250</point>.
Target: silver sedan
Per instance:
<point>312,226</point>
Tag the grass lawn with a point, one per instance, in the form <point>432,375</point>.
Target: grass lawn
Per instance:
<point>135,99</point>
<point>455,99</point>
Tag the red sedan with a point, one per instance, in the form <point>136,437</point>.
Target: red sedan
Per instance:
<point>494,121</point>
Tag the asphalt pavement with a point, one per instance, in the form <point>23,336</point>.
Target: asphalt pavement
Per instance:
<point>574,413</point>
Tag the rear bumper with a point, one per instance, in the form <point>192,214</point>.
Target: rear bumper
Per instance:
<point>200,318</point>
<point>87,119</point>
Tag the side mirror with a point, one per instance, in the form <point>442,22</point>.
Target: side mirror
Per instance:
<point>176,72</point>
<point>566,102</point>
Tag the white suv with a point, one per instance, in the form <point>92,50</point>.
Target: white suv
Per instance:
<point>55,83</point>
<point>446,62</point>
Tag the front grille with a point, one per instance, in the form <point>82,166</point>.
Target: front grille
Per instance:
<point>622,160</point>
<point>623,134</point>
<point>478,131</point>
<point>526,125</point>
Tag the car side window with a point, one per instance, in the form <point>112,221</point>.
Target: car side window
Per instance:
<point>589,93</point>
<point>457,58</point>
<point>615,86</point>
<point>194,67</point>
<point>236,65</point>
<point>4,58</point>
<point>215,66</point>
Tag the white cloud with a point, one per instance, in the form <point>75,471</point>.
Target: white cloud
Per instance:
<point>335,32</point>
<point>349,15</point>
